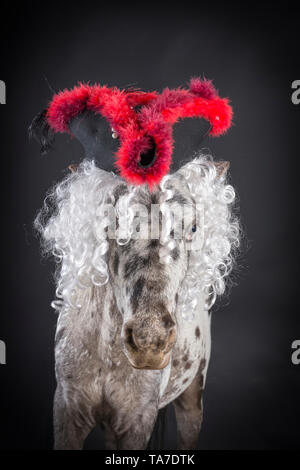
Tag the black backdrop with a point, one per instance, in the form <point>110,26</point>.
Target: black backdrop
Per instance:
<point>252,395</point>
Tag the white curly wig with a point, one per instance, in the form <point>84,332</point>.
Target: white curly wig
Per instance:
<point>73,229</point>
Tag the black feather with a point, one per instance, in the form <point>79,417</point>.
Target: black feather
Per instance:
<point>40,130</point>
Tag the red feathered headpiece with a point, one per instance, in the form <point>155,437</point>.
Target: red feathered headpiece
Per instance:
<point>140,123</point>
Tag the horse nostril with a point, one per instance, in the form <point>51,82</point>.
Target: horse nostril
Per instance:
<point>148,158</point>
<point>171,331</point>
<point>129,337</point>
<point>168,322</point>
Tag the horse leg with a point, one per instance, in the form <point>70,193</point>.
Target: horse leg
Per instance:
<point>188,411</point>
<point>70,425</point>
<point>109,437</point>
<point>136,435</point>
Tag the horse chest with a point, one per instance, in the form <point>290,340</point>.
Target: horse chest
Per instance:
<point>191,353</point>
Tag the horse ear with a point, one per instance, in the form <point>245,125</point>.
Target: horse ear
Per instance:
<point>73,167</point>
<point>222,168</point>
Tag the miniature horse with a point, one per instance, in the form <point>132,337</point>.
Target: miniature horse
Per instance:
<point>133,332</point>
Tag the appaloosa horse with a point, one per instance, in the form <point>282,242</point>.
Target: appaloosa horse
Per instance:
<point>133,332</point>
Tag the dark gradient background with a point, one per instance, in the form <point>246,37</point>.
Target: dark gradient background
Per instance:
<point>252,397</point>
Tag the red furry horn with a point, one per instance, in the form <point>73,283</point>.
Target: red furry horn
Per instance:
<point>200,100</point>
<point>132,131</point>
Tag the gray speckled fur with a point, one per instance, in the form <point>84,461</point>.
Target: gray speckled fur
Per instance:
<point>96,383</point>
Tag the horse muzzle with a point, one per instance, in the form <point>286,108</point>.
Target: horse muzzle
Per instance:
<point>149,351</point>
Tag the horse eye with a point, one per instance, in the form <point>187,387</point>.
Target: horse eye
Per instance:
<point>189,235</point>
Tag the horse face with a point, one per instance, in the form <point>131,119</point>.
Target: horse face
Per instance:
<point>146,275</point>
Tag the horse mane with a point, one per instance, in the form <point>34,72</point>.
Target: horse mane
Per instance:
<point>72,229</point>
